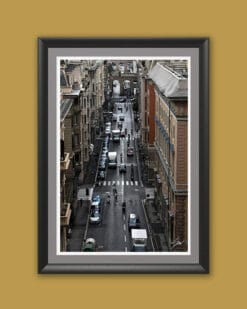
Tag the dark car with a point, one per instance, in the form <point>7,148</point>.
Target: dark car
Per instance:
<point>122,134</point>
<point>95,215</point>
<point>102,165</point>
<point>130,151</point>
<point>90,245</point>
<point>101,175</point>
<point>122,168</point>
<point>104,148</point>
<point>133,222</point>
<point>121,118</point>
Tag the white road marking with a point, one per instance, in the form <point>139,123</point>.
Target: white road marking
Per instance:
<point>136,183</point>
<point>104,183</point>
<point>123,183</point>
<point>124,226</point>
<point>126,249</point>
<point>125,239</point>
<point>131,183</point>
<point>113,183</point>
<point>127,182</point>
<point>124,217</point>
<point>109,183</point>
<point>118,182</point>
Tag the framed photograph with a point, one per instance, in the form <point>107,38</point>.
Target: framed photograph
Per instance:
<point>123,155</point>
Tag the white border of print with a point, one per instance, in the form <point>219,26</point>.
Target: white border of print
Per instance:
<point>58,252</point>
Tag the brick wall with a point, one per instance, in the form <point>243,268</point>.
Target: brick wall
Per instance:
<point>181,156</point>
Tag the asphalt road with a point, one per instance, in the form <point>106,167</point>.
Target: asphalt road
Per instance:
<point>112,234</point>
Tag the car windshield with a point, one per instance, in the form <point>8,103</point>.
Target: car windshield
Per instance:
<point>132,220</point>
<point>95,214</point>
<point>96,198</point>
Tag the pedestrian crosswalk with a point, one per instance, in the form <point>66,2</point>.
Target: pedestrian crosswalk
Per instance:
<point>125,138</point>
<point>105,183</point>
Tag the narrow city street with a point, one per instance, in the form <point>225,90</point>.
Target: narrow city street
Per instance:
<point>112,233</point>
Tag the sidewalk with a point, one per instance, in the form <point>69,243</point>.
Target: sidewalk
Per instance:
<point>156,226</point>
<point>80,210</point>
<point>91,167</point>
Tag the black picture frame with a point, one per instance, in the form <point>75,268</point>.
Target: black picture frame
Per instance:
<point>202,265</point>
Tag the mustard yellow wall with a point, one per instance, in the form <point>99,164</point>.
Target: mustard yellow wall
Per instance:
<point>21,23</point>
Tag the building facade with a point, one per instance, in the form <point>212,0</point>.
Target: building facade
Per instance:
<point>171,134</point>
<point>82,97</point>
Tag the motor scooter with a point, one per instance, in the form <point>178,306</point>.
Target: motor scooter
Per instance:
<point>123,207</point>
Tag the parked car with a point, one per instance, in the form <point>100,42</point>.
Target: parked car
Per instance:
<point>114,66</point>
<point>130,151</point>
<point>95,215</point>
<point>122,168</point>
<point>96,199</point>
<point>89,245</point>
<point>133,222</point>
<point>103,157</point>
<point>121,118</point>
<point>108,131</point>
<point>105,148</point>
<point>122,133</point>
<point>102,165</point>
<point>114,118</point>
<point>121,67</point>
<point>104,152</point>
<point>101,175</point>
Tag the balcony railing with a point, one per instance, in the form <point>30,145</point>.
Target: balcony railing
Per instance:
<point>64,165</point>
<point>65,214</point>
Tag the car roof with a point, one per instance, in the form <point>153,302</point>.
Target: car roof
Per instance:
<point>132,216</point>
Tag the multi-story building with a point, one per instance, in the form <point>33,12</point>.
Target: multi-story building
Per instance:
<point>66,170</point>
<point>82,96</point>
<point>171,103</point>
<point>147,116</point>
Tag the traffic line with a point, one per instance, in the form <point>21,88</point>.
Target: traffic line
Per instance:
<point>118,183</point>
<point>125,238</point>
<point>124,227</point>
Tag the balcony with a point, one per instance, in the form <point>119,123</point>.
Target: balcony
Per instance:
<point>64,165</point>
<point>65,214</point>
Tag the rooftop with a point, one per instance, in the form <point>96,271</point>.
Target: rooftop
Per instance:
<point>169,81</point>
